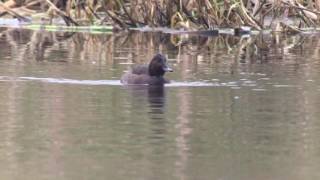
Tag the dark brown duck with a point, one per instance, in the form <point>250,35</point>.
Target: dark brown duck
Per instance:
<point>151,74</point>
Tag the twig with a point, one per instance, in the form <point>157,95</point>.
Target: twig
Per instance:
<point>126,12</point>
<point>249,18</point>
<point>32,3</point>
<point>13,13</point>
<point>301,8</point>
<point>260,8</point>
<point>116,19</point>
<point>65,17</point>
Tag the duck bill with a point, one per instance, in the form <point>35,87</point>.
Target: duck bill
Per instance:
<point>167,69</point>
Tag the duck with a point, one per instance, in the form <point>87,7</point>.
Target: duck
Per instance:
<point>151,74</point>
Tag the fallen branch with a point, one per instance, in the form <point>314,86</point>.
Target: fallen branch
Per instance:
<point>289,29</point>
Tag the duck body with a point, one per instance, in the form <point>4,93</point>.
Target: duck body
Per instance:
<point>151,74</point>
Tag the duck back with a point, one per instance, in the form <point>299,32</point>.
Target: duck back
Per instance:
<point>140,69</point>
<point>139,75</point>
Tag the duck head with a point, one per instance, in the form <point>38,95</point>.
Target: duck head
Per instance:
<point>158,66</point>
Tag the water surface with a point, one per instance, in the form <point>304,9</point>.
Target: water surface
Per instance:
<point>237,107</point>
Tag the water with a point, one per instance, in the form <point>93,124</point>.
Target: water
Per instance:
<point>237,108</point>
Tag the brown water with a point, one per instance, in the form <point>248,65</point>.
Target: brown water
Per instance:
<point>237,108</point>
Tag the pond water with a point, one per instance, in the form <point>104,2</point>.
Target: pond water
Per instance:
<point>237,108</point>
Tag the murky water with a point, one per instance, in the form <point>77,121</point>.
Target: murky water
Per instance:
<point>237,108</point>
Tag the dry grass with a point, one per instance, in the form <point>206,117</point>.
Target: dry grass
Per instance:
<point>187,14</point>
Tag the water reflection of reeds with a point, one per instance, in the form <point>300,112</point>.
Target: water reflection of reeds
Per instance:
<point>135,47</point>
<point>218,54</point>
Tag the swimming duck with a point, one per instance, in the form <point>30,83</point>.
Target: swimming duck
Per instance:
<point>151,74</point>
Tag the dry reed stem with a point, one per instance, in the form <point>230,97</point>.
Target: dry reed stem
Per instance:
<point>65,17</point>
<point>192,13</point>
<point>12,12</point>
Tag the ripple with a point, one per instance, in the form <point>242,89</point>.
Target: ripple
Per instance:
<point>259,89</point>
<point>284,85</point>
<point>231,84</point>
<point>73,81</point>
<point>193,84</point>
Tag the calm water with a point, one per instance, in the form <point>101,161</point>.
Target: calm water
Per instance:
<point>237,108</point>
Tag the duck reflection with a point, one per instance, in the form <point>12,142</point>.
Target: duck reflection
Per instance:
<point>155,98</point>
<point>154,95</point>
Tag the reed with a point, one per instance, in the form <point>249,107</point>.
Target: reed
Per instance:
<point>186,14</point>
